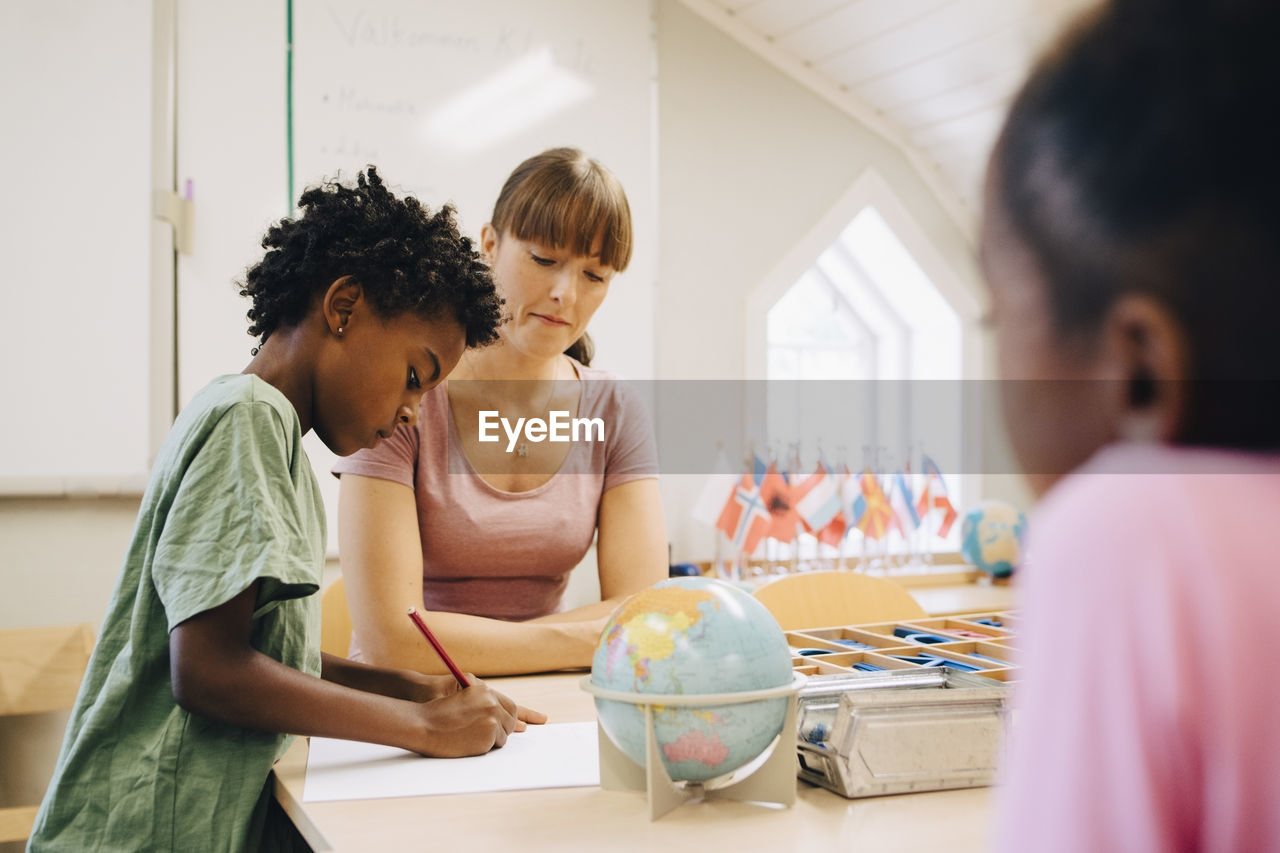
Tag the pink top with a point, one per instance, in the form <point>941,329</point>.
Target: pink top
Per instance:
<point>501,554</point>
<point>1149,714</point>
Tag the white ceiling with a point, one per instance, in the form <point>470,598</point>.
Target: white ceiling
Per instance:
<point>933,76</point>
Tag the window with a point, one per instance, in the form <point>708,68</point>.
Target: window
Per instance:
<point>864,350</point>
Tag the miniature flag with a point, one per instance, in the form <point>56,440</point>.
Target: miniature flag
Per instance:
<point>835,530</point>
<point>900,498</point>
<point>935,495</point>
<point>776,493</point>
<point>894,522</point>
<point>878,515</point>
<point>922,505</point>
<point>854,504</point>
<point>745,520</point>
<point>801,490</point>
<point>820,504</point>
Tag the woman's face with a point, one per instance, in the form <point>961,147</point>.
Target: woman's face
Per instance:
<point>551,294</point>
<point>1053,390</point>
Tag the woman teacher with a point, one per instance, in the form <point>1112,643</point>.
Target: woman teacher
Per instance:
<point>479,525</point>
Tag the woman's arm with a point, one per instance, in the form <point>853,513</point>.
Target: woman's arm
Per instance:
<point>381,553</point>
<point>216,673</point>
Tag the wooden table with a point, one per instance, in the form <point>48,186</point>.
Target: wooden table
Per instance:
<point>592,819</point>
<point>946,589</point>
<point>962,592</point>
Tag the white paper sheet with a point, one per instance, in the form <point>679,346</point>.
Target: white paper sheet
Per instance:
<point>556,755</point>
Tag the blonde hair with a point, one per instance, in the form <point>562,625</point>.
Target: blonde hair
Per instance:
<point>564,199</point>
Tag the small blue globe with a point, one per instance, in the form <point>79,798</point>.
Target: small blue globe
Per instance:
<point>992,537</point>
<point>693,635</point>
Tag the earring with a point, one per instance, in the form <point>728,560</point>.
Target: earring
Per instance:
<point>340,331</point>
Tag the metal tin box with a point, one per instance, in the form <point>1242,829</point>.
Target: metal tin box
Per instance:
<point>900,731</point>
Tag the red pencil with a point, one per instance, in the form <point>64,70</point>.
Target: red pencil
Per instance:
<point>435,644</point>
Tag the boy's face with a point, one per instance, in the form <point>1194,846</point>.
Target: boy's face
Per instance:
<point>377,375</point>
<point>1052,391</point>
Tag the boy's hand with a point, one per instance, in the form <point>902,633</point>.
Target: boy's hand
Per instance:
<point>430,687</point>
<point>523,715</point>
<point>424,688</point>
<point>471,721</point>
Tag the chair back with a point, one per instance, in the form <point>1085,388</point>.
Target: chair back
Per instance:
<point>335,620</point>
<point>40,671</point>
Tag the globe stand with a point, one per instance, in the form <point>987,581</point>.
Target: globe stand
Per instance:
<point>773,781</point>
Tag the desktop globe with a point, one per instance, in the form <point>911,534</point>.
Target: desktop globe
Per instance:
<point>691,636</point>
<point>991,537</point>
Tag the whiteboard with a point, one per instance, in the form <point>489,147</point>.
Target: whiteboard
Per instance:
<point>446,98</point>
<point>75,230</point>
<point>370,82</point>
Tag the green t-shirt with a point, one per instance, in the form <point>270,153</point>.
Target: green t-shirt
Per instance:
<point>232,500</point>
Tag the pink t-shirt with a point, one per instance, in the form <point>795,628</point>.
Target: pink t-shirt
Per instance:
<point>508,555</point>
<point>1149,714</point>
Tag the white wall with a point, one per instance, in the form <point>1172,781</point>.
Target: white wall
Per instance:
<point>59,557</point>
<point>749,162</point>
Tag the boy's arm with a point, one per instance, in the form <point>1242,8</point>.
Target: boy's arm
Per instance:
<point>396,683</point>
<point>216,673</point>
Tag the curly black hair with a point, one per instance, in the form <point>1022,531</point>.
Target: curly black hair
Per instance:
<point>407,259</point>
